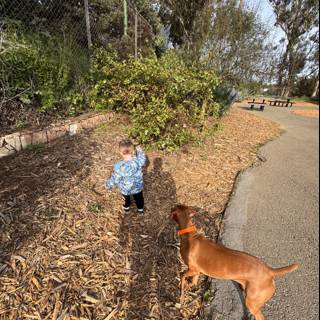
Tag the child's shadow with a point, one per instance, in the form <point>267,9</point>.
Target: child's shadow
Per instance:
<point>148,242</point>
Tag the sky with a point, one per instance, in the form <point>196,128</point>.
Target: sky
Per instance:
<point>264,9</point>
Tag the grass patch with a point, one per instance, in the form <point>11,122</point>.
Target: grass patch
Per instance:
<point>306,99</point>
<point>51,213</point>
<point>36,148</point>
<point>218,127</point>
<point>208,295</point>
<point>21,125</point>
<point>102,128</point>
<point>208,132</point>
<point>95,208</point>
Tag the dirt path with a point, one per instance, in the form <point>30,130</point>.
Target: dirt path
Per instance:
<point>275,215</point>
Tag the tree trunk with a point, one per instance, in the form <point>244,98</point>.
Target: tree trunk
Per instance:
<point>291,66</point>
<point>203,113</point>
<point>136,34</point>
<point>285,64</point>
<point>316,89</point>
<point>125,17</point>
<point>286,92</point>
<point>87,16</point>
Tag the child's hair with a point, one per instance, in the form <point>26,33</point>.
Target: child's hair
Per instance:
<point>126,147</point>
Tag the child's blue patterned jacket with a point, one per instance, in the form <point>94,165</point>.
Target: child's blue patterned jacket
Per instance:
<point>127,176</point>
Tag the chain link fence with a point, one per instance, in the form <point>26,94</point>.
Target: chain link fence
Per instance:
<point>89,23</point>
<point>45,49</point>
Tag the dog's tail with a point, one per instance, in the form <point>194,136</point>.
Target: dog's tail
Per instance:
<point>285,270</point>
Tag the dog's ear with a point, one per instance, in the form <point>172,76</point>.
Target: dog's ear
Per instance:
<point>191,212</point>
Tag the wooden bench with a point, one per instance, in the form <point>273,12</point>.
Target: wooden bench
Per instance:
<point>281,103</point>
<point>262,104</point>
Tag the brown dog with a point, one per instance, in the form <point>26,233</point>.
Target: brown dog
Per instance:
<point>203,256</point>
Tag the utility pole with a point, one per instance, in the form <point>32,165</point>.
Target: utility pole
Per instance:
<point>86,8</point>
<point>136,34</point>
<point>125,13</point>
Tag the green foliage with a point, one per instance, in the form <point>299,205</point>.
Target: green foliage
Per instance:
<point>232,39</point>
<point>208,295</point>
<point>95,208</point>
<point>297,19</point>
<point>36,148</point>
<point>218,127</point>
<point>20,124</point>
<point>102,128</point>
<point>75,101</point>
<point>38,66</point>
<point>164,97</point>
<point>183,18</point>
<point>250,89</point>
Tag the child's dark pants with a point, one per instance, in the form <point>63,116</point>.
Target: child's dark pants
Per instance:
<point>138,198</point>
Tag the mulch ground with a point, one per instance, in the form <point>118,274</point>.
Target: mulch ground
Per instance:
<point>307,113</point>
<point>67,251</point>
<point>15,116</point>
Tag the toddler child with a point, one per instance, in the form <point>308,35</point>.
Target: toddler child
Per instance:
<point>127,175</point>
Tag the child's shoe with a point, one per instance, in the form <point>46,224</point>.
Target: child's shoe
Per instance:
<point>126,210</point>
<point>141,212</point>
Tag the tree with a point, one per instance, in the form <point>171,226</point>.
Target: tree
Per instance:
<point>296,18</point>
<point>315,64</point>
<point>181,16</point>
<point>236,45</point>
<point>224,33</point>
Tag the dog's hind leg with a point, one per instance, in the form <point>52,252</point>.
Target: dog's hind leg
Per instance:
<point>257,294</point>
<point>254,310</point>
<point>243,284</point>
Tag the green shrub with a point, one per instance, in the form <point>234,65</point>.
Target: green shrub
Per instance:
<point>165,98</point>
<point>39,65</point>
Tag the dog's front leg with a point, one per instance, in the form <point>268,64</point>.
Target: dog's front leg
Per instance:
<point>195,280</point>
<point>183,286</point>
<point>184,276</point>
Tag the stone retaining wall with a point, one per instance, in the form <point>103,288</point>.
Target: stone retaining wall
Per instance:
<point>18,141</point>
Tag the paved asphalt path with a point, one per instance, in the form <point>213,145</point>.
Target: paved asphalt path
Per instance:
<point>274,214</point>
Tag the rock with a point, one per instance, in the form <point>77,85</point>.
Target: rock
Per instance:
<point>25,140</point>
<point>73,128</point>
<point>12,142</point>
<point>228,301</point>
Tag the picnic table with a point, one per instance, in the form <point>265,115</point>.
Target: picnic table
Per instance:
<point>262,104</point>
<point>281,103</point>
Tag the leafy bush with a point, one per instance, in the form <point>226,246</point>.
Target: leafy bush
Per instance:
<point>165,98</point>
<point>39,66</point>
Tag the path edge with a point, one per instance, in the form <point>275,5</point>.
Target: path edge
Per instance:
<point>228,299</point>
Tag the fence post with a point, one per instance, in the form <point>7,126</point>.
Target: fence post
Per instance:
<point>125,13</point>
<point>136,33</point>
<point>86,8</point>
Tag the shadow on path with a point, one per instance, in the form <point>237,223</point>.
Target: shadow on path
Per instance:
<point>29,180</point>
<point>152,257</point>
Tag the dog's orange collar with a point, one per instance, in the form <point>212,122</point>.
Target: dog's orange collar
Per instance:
<point>187,230</point>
